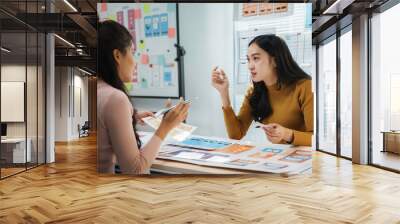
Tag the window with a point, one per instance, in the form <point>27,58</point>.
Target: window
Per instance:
<point>385,89</point>
<point>346,94</point>
<point>327,96</point>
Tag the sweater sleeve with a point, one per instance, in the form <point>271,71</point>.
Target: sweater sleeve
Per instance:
<point>306,102</point>
<point>118,120</point>
<point>237,126</point>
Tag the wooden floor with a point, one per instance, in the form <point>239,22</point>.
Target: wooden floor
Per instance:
<point>386,159</point>
<point>70,191</point>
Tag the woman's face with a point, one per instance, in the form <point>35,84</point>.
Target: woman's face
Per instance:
<point>126,64</point>
<point>261,65</point>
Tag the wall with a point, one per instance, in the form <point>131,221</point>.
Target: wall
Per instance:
<point>70,84</point>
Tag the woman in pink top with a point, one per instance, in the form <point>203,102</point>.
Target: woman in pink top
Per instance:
<point>117,140</point>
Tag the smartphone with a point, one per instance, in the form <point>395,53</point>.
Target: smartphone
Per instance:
<point>166,110</point>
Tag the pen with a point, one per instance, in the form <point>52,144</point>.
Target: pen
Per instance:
<point>166,110</point>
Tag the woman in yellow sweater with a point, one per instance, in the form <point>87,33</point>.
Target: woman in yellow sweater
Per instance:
<point>280,97</point>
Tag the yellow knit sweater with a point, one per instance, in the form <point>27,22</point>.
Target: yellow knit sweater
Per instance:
<point>292,107</point>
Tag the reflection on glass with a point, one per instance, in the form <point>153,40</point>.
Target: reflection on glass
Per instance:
<point>327,97</point>
<point>31,101</point>
<point>385,87</point>
<point>13,85</point>
<point>346,94</point>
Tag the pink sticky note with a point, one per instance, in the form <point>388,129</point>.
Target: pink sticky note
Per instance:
<point>144,59</point>
<point>171,32</point>
<point>131,19</point>
<point>103,7</point>
<point>137,14</point>
<point>120,17</point>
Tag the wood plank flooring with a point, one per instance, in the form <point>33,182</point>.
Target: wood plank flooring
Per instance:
<point>70,191</point>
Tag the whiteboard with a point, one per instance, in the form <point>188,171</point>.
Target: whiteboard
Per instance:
<point>153,27</point>
<point>12,101</point>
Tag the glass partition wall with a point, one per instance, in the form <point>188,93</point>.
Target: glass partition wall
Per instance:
<point>22,77</point>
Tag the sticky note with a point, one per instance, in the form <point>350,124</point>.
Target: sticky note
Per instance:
<point>146,8</point>
<point>137,14</point>
<point>171,32</point>
<point>141,45</point>
<point>120,17</point>
<point>171,7</point>
<point>144,59</point>
<point>128,86</point>
<point>103,7</point>
<point>161,60</point>
<point>113,17</point>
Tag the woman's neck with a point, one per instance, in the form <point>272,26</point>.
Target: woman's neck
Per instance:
<point>271,80</point>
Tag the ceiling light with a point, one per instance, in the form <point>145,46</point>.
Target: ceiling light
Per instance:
<point>65,41</point>
<point>84,71</point>
<point>5,50</point>
<point>70,5</point>
<point>338,6</point>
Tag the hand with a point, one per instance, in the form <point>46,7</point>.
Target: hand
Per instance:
<point>219,81</point>
<point>276,133</point>
<point>168,103</point>
<point>140,115</point>
<point>172,119</point>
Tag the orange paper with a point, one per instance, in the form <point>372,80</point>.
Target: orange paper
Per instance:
<point>171,32</point>
<point>145,59</point>
<point>103,7</point>
<point>235,148</point>
<point>137,14</point>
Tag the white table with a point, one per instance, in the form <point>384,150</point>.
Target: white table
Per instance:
<point>16,146</point>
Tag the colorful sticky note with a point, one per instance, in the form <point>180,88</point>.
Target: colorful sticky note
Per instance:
<point>141,45</point>
<point>131,19</point>
<point>146,8</point>
<point>161,60</point>
<point>144,59</point>
<point>137,14</point>
<point>103,7</point>
<point>120,17</point>
<point>171,7</point>
<point>128,86</point>
<point>171,32</point>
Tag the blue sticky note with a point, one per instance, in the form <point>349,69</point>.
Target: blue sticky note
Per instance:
<point>156,25</point>
<point>148,30</point>
<point>167,77</point>
<point>171,7</point>
<point>164,24</point>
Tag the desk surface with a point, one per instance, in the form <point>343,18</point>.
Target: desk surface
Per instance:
<point>178,167</point>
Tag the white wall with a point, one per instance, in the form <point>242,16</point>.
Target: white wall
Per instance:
<point>68,82</point>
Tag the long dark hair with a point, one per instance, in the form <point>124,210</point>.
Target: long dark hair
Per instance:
<point>111,36</point>
<point>288,72</point>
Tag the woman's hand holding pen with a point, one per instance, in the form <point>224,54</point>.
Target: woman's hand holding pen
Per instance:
<point>172,119</point>
<point>143,114</point>
<point>220,82</point>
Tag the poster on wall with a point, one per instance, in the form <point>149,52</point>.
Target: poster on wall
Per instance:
<point>153,27</point>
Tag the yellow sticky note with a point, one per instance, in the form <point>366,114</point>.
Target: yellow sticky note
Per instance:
<point>128,86</point>
<point>141,45</point>
<point>146,8</point>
